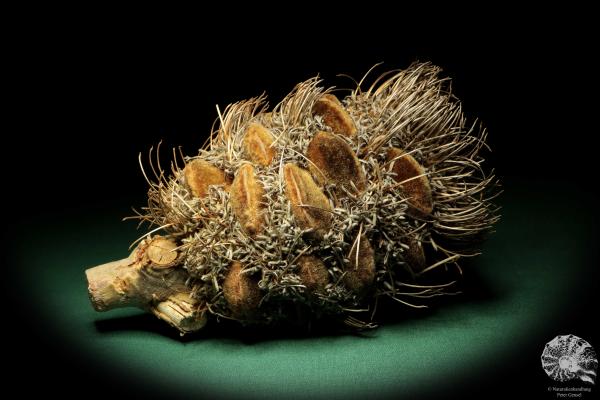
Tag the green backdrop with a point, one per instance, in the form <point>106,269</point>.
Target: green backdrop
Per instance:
<point>529,276</point>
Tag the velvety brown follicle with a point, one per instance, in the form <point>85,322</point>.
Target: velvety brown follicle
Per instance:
<point>310,206</point>
<point>334,115</point>
<point>257,144</point>
<point>247,197</point>
<point>414,255</point>
<point>312,273</point>
<point>161,252</point>
<point>241,292</point>
<point>417,190</point>
<point>199,175</point>
<point>360,272</point>
<point>333,161</point>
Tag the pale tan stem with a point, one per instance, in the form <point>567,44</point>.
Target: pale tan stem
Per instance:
<point>107,284</point>
<point>180,311</point>
<point>150,278</point>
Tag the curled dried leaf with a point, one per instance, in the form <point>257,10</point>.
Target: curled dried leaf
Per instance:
<point>199,175</point>
<point>334,115</point>
<point>333,161</point>
<point>257,144</point>
<point>415,185</point>
<point>310,206</point>
<point>247,200</point>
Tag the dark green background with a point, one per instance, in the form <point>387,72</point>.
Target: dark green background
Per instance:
<point>519,294</point>
<point>93,100</point>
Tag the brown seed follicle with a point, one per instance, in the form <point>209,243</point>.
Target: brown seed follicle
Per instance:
<point>199,175</point>
<point>310,206</point>
<point>360,273</point>
<point>415,185</point>
<point>247,196</point>
<point>257,143</point>
<point>414,255</point>
<point>313,274</point>
<point>241,292</point>
<point>335,116</point>
<point>333,161</point>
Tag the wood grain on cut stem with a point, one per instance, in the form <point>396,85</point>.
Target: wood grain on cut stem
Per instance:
<point>333,161</point>
<point>199,175</point>
<point>247,200</point>
<point>415,184</point>
<point>162,252</point>
<point>335,116</point>
<point>310,206</point>
<point>257,143</point>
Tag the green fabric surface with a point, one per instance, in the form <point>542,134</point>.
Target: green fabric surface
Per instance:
<point>527,270</point>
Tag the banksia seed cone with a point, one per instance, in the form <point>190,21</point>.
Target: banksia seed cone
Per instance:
<point>325,206</point>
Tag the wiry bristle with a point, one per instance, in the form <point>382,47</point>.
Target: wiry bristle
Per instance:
<point>415,110</point>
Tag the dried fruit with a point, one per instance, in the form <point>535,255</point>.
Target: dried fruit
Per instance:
<point>313,274</point>
<point>316,221</point>
<point>413,180</point>
<point>241,292</point>
<point>247,200</point>
<point>334,115</point>
<point>414,255</point>
<point>199,175</point>
<point>310,206</point>
<point>333,161</point>
<point>360,272</point>
<point>258,144</point>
